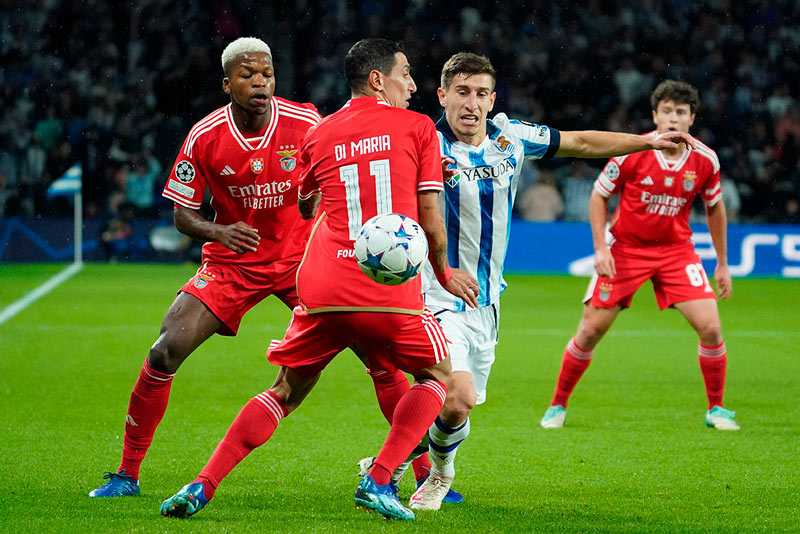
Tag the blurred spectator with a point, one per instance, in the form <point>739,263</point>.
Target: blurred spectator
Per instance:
<point>49,129</point>
<point>541,202</point>
<point>113,79</point>
<point>140,184</point>
<point>577,187</point>
<point>630,83</point>
<point>731,198</point>
<point>5,192</point>
<point>792,210</point>
<point>118,238</point>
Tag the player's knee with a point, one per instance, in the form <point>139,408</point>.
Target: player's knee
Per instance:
<point>459,404</point>
<point>163,357</point>
<point>589,335</point>
<point>710,332</point>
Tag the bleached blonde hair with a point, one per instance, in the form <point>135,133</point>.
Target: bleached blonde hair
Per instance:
<point>243,45</point>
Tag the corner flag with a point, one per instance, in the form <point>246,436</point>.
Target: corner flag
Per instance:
<point>68,184</point>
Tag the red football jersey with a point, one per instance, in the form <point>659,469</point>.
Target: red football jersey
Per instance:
<point>251,176</point>
<point>656,194</point>
<point>365,159</point>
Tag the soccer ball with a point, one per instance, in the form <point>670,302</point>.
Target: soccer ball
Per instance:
<point>390,248</point>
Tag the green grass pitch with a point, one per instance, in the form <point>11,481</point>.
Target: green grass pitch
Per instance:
<point>635,455</point>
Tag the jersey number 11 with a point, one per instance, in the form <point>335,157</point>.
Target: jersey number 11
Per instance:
<point>348,174</point>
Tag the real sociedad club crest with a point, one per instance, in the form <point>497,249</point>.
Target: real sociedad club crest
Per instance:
<point>288,161</point>
<point>257,165</point>
<point>503,144</point>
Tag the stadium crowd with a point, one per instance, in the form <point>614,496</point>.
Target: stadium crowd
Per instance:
<point>115,85</point>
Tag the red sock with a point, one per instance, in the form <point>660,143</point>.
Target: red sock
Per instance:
<point>390,388</point>
<point>713,363</point>
<point>145,410</point>
<point>252,428</point>
<point>421,467</point>
<point>573,364</point>
<point>413,416</point>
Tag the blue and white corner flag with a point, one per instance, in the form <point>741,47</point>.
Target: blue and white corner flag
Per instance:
<point>68,184</point>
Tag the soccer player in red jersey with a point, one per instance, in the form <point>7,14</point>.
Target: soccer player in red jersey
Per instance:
<point>245,155</point>
<point>372,156</point>
<point>652,241</point>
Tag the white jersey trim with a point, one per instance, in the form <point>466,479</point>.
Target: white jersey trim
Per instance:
<point>297,110</point>
<point>673,166</point>
<point>181,200</point>
<point>206,125</point>
<point>428,186</point>
<point>708,153</point>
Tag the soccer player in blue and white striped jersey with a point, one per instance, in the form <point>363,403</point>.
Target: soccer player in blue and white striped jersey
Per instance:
<point>488,156</point>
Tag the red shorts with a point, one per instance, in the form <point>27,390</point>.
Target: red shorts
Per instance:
<point>675,270</point>
<point>229,290</point>
<point>391,340</point>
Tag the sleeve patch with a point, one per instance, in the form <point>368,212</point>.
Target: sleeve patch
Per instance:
<point>184,171</point>
<point>180,188</point>
<point>611,171</point>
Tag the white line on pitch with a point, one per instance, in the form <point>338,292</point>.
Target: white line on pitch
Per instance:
<point>15,307</point>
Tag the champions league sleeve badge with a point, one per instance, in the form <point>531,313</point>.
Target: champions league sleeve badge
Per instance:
<point>184,171</point>
<point>288,161</point>
<point>612,171</point>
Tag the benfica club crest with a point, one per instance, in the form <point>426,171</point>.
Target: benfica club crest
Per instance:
<point>257,165</point>
<point>288,161</point>
<point>605,292</point>
<point>688,180</point>
<point>202,280</point>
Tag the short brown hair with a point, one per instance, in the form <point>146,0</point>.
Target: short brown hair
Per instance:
<point>468,64</point>
<point>678,92</point>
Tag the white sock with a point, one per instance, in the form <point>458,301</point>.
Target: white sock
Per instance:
<point>444,442</point>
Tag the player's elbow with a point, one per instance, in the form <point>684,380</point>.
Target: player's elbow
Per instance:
<point>181,221</point>
<point>308,207</point>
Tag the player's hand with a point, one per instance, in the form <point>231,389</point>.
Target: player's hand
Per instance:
<point>238,237</point>
<point>464,286</point>
<point>447,171</point>
<point>722,275</point>
<point>604,263</point>
<point>667,140</point>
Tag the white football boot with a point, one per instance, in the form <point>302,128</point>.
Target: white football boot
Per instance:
<point>721,419</point>
<point>554,417</point>
<point>430,494</point>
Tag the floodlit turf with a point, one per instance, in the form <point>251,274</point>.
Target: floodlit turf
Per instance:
<point>635,455</point>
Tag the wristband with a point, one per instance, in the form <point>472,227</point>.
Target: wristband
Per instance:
<point>446,276</point>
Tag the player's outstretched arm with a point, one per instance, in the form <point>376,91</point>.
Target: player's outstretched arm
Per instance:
<point>455,281</point>
<point>599,144</point>
<point>598,216</point>
<point>238,237</point>
<point>718,228</point>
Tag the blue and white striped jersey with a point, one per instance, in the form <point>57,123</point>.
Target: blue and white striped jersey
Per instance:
<point>477,202</point>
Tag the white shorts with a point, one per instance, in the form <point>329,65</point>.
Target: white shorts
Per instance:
<point>473,336</point>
